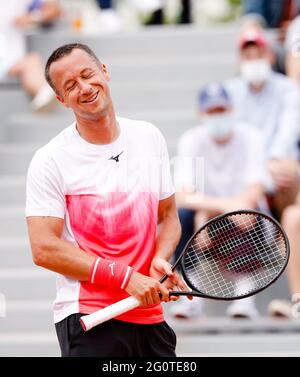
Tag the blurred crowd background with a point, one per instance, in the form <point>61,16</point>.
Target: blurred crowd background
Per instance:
<point>220,79</point>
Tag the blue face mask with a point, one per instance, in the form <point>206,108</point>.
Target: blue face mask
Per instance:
<point>219,126</point>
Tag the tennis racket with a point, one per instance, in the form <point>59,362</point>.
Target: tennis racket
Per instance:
<point>233,256</point>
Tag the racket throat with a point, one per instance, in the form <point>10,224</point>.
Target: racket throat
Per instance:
<point>181,293</point>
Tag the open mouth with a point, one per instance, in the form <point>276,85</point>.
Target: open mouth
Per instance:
<point>91,99</point>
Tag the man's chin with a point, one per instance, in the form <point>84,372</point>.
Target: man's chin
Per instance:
<point>93,115</point>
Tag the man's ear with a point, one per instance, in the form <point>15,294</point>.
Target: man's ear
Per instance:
<point>105,72</point>
<point>61,100</point>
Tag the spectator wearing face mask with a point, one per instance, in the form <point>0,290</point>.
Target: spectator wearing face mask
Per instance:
<point>270,102</point>
<point>220,168</point>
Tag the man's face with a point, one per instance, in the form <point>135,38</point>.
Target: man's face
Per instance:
<point>81,84</point>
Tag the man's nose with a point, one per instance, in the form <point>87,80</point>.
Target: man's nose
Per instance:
<point>84,86</point>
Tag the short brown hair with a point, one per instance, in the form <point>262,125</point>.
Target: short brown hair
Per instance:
<point>66,50</point>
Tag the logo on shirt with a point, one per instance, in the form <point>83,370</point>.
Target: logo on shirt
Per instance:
<point>116,158</point>
<point>112,268</point>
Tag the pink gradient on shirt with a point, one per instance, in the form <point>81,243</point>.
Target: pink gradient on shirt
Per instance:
<point>119,226</point>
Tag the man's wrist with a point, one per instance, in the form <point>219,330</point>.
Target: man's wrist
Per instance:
<point>110,273</point>
<point>159,257</point>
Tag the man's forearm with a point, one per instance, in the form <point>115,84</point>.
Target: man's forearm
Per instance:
<point>64,258</point>
<point>169,232</point>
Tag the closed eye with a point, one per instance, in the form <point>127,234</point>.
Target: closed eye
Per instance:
<point>88,75</point>
<point>70,87</point>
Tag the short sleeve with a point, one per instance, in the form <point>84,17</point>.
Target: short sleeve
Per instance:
<point>44,188</point>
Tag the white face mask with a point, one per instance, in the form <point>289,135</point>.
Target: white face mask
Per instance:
<point>256,71</point>
<point>219,125</point>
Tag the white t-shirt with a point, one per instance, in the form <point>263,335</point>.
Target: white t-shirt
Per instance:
<point>220,170</point>
<point>108,196</point>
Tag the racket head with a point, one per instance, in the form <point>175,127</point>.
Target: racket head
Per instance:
<point>234,256</point>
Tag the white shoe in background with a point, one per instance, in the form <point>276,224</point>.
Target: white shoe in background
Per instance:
<point>280,309</point>
<point>244,308</point>
<point>45,100</point>
<point>186,309</point>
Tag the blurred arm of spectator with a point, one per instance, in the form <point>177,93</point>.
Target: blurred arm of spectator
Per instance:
<point>213,206</point>
<point>285,173</point>
<point>44,13</point>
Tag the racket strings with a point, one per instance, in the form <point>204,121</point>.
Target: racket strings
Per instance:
<point>234,256</point>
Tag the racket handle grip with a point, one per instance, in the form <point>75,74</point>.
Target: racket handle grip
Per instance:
<point>89,321</point>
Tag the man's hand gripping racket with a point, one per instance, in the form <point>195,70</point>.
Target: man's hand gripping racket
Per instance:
<point>233,256</point>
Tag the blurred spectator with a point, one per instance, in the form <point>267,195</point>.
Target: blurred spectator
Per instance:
<point>291,224</point>
<point>15,17</point>
<point>109,19</point>
<point>274,14</point>
<point>292,47</point>
<point>291,214</point>
<point>269,101</point>
<point>231,178</point>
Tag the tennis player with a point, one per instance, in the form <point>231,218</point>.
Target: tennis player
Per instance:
<point>95,195</point>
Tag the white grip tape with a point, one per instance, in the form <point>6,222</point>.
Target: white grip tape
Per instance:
<point>112,311</point>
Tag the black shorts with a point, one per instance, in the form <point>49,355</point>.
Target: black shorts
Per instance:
<point>115,339</point>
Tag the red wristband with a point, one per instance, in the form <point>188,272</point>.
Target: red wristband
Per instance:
<point>110,273</point>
